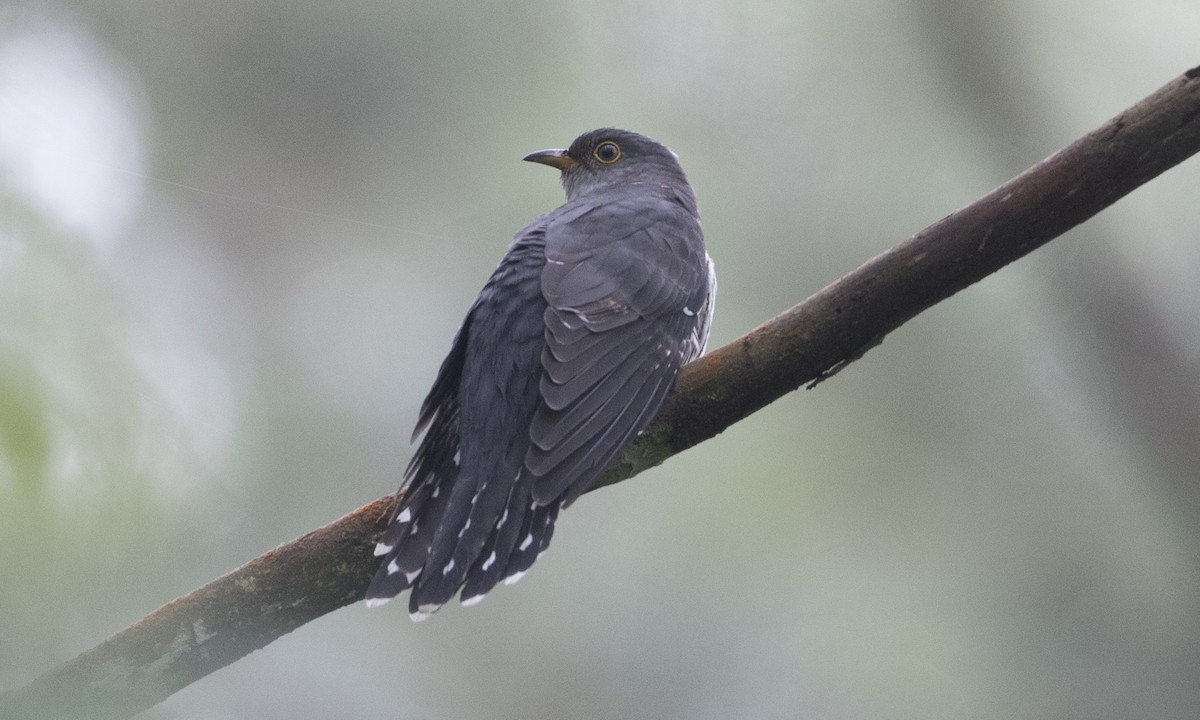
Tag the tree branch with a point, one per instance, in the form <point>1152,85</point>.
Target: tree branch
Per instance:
<point>275,593</point>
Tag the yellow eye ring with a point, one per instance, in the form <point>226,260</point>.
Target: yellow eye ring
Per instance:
<point>607,152</point>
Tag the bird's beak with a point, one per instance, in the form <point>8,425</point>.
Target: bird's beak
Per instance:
<point>554,158</point>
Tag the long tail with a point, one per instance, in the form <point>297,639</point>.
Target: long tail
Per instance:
<point>448,536</point>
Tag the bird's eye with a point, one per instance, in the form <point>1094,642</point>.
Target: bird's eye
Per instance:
<point>607,152</point>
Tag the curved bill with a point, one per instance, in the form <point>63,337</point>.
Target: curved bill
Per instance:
<point>554,158</point>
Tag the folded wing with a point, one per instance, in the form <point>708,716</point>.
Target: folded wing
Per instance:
<point>625,283</point>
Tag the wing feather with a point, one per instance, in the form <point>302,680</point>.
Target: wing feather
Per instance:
<point>565,381</point>
<point>558,432</point>
<point>617,282</point>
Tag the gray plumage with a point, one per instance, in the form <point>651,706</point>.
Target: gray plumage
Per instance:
<point>565,356</point>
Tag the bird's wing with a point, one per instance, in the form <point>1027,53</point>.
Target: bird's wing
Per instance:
<point>624,279</point>
<point>465,485</point>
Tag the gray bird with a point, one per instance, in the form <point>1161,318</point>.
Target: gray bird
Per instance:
<point>565,356</point>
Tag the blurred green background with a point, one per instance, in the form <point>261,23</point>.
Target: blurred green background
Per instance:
<point>236,239</point>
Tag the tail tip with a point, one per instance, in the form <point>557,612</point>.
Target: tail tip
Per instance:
<point>424,612</point>
<point>374,602</point>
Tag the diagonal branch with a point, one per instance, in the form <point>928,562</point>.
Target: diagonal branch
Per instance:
<point>328,568</point>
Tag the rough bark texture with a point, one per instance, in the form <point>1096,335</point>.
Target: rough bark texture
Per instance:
<point>207,629</point>
<point>1143,375</point>
<point>330,567</point>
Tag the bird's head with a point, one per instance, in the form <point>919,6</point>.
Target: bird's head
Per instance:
<point>608,157</point>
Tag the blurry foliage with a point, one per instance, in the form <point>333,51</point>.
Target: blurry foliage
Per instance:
<point>235,241</point>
